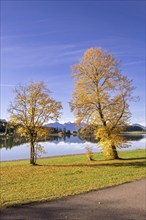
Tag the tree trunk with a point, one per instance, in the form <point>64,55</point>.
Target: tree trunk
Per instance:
<point>32,153</point>
<point>112,153</point>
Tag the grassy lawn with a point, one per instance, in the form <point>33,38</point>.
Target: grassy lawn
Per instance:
<point>68,175</point>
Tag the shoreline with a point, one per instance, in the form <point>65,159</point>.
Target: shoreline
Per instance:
<point>66,155</point>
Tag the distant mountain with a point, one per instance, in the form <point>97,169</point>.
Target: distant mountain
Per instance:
<point>68,125</point>
<point>140,126</point>
<point>72,127</point>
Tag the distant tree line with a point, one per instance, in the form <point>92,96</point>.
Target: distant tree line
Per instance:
<point>6,128</point>
<point>58,130</point>
<point>85,131</point>
<point>133,128</point>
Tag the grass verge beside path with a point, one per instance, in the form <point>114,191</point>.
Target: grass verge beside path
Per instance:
<point>62,176</point>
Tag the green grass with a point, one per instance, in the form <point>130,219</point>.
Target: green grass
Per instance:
<point>68,175</point>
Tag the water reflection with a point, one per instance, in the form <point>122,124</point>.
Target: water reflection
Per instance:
<point>12,141</point>
<point>138,137</point>
<point>16,148</point>
<point>9,142</point>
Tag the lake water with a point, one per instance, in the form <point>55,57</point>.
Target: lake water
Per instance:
<point>71,145</point>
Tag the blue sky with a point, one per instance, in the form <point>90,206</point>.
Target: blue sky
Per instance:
<point>41,40</point>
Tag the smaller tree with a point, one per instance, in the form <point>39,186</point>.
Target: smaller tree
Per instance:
<point>32,107</point>
<point>89,153</point>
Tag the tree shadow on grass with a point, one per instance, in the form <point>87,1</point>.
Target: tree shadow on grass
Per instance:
<point>139,158</point>
<point>110,163</point>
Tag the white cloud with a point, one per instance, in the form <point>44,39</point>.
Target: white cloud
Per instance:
<point>134,63</point>
<point>24,56</point>
<point>7,85</point>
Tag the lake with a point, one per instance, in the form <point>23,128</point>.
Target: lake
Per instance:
<point>60,146</point>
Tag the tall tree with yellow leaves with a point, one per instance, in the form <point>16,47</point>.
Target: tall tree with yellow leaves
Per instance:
<point>101,98</point>
<point>32,107</point>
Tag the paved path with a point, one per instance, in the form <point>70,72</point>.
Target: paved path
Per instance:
<point>123,202</point>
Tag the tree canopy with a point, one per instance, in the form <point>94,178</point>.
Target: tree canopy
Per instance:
<point>31,109</point>
<point>101,97</point>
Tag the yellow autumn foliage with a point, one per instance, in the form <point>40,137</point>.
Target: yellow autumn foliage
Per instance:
<point>31,109</point>
<point>101,96</point>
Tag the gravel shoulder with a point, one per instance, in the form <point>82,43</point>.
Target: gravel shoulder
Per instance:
<point>123,202</point>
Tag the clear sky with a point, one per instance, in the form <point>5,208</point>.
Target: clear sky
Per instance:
<point>40,40</point>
